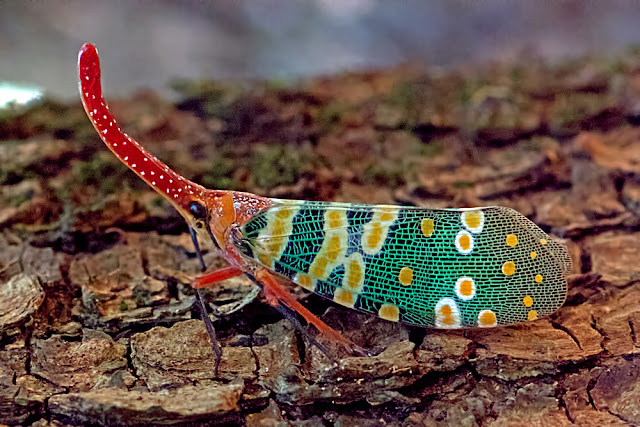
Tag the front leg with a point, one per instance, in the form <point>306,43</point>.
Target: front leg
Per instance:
<point>224,273</point>
<point>276,294</point>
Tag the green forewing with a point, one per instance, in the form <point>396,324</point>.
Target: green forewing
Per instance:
<point>444,268</point>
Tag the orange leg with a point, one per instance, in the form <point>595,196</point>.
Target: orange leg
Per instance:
<point>274,292</point>
<point>209,279</point>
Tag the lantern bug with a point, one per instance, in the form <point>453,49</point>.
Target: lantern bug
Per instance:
<point>438,268</point>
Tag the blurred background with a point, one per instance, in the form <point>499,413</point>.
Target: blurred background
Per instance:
<point>145,44</point>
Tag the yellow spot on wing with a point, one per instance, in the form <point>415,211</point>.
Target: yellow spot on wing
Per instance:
<point>306,282</point>
<point>473,220</point>
<point>464,242</point>
<point>532,315</point>
<point>427,226</point>
<point>284,214</point>
<point>447,314</point>
<point>543,241</point>
<point>509,268</point>
<point>355,274</point>
<point>465,288</point>
<point>279,229</point>
<point>344,297</point>
<point>334,246</point>
<point>353,279</point>
<point>389,312</point>
<point>538,278</point>
<point>336,218</point>
<point>273,239</point>
<point>448,321</point>
<point>487,319</point>
<point>512,240</point>
<point>527,301</point>
<point>375,231</point>
<point>405,276</point>
<point>273,246</point>
<point>387,216</point>
<point>533,255</point>
<point>319,267</point>
<point>265,260</point>
<point>375,236</point>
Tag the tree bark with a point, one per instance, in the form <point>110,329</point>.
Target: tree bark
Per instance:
<point>97,316</point>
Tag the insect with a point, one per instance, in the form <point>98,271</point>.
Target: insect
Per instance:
<point>440,268</point>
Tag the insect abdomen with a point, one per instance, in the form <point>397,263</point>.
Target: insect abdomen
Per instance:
<point>436,268</point>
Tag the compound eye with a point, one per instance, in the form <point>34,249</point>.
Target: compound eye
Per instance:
<point>197,210</point>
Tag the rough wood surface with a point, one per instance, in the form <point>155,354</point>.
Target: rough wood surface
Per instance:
<point>97,320</point>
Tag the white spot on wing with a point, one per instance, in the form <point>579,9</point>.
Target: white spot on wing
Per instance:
<point>459,289</point>
<point>459,237</point>
<point>447,314</point>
